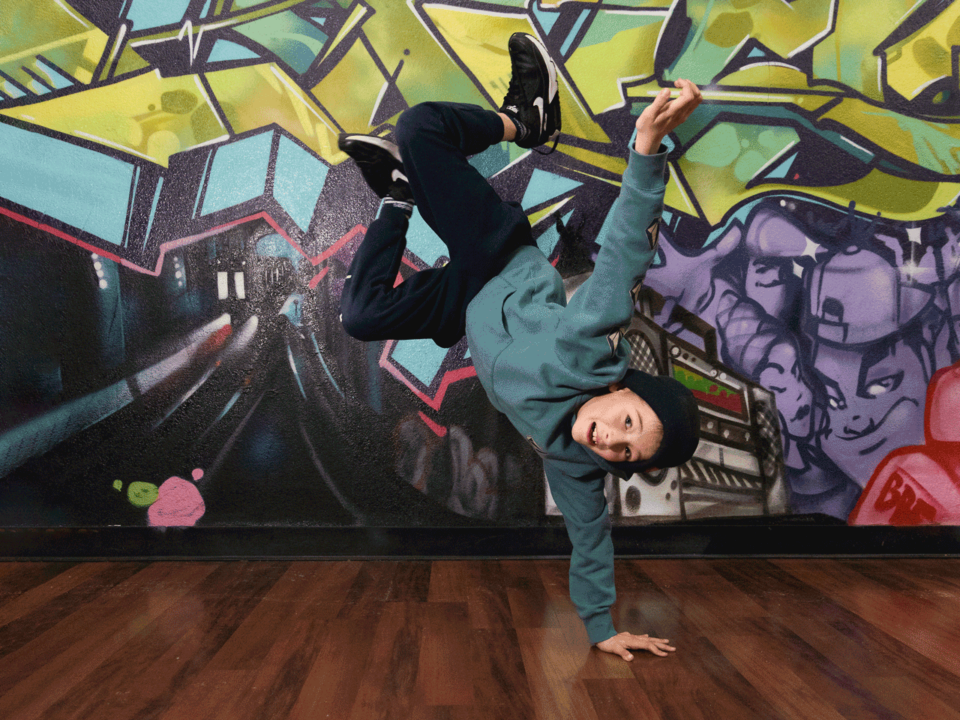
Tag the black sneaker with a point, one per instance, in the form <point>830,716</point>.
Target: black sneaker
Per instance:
<point>532,100</point>
<point>380,164</point>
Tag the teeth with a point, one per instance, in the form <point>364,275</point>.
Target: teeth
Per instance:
<point>594,434</point>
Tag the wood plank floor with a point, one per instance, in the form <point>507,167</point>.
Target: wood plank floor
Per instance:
<point>457,639</point>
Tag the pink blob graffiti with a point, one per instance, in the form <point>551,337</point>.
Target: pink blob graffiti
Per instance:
<point>178,504</point>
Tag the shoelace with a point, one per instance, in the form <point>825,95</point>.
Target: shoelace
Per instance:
<point>550,151</point>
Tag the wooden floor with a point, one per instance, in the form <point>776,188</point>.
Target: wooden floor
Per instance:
<point>477,639</point>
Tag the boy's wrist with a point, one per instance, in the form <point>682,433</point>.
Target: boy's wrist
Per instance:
<point>646,144</point>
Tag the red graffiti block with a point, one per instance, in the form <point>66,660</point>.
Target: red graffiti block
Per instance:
<point>920,484</point>
<point>911,487</point>
<point>943,406</point>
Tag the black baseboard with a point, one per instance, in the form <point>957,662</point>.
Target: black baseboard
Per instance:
<point>790,536</point>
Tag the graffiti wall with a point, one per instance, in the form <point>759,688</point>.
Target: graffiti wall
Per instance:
<point>176,222</point>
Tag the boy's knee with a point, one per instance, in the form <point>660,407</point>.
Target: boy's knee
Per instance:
<point>414,120</point>
<point>353,322</point>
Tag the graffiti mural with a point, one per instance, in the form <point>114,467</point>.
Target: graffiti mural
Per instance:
<point>176,222</point>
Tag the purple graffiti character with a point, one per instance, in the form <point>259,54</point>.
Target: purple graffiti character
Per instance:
<point>763,349</point>
<point>871,356</point>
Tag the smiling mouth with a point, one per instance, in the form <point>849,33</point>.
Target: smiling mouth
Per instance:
<point>873,448</point>
<point>872,427</point>
<point>593,434</point>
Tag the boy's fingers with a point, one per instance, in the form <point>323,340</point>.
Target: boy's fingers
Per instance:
<point>666,113</point>
<point>662,98</point>
<point>684,99</point>
<point>675,112</point>
<point>689,93</point>
<point>682,107</point>
<point>691,86</point>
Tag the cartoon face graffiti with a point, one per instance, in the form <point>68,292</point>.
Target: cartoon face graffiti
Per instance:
<point>875,398</point>
<point>771,283</point>
<point>773,240</point>
<point>870,355</point>
<point>781,374</point>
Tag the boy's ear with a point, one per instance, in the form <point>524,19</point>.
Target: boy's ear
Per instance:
<point>615,386</point>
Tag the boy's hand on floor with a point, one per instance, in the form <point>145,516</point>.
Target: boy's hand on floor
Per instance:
<point>622,643</point>
<point>664,115</point>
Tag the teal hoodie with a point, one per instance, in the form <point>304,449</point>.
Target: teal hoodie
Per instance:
<point>539,359</point>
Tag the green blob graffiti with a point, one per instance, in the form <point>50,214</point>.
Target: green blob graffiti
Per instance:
<point>142,494</point>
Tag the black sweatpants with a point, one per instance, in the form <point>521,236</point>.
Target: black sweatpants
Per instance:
<point>480,230</point>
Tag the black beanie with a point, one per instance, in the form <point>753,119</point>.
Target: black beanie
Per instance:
<point>677,410</point>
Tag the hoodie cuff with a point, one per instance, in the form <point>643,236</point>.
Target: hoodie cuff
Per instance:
<point>599,627</point>
<point>646,172</point>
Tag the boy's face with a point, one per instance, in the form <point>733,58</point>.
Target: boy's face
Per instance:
<point>618,426</point>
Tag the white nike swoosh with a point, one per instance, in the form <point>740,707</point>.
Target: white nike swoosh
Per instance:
<point>397,175</point>
<point>538,104</point>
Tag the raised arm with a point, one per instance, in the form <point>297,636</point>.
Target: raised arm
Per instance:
<point>628,243</point>
<point>664,115</point>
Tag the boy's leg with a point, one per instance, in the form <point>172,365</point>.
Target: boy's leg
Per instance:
<point>457,202</point>
<point>480,230</point>
<point>454,199</point>
<point>371,308</point>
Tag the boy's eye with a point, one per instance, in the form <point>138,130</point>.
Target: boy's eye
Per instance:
<point>628,453</point>
<point>629,422</point>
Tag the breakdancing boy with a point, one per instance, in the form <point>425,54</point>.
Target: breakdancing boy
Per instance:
<point>559,372</point>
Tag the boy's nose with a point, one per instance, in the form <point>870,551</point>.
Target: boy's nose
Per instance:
<point>611,437</point>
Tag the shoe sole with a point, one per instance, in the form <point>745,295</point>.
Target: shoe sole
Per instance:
<point>552,87</point>
<point>370,140</point>
<point>551,66</point>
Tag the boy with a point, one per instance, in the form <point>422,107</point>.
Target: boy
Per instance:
<point>559,372</point>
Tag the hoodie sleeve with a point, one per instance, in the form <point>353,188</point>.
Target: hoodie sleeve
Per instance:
<point>584,508</point>
<point>592,324</point>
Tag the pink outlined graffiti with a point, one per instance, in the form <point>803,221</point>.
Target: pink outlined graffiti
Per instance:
<point>190,239</point>
<point>449,377</point>
<point>440,430</point>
